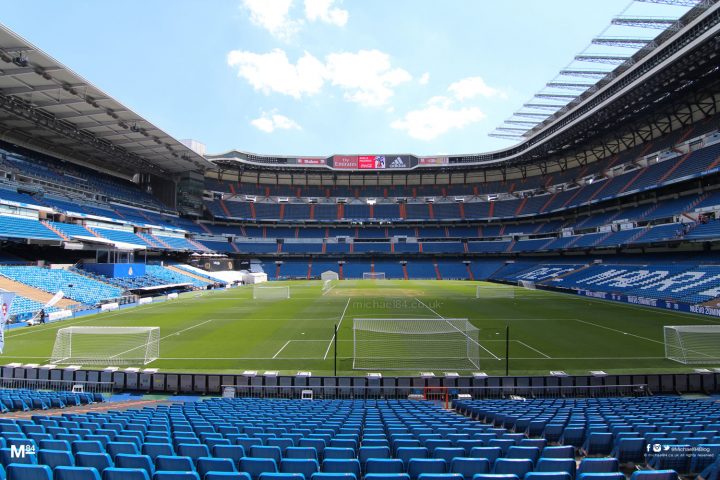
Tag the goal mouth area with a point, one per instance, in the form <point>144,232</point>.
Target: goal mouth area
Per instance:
<point>106,345</point>
<point>692,344</point>
<point>415,343</point>
<point>271,293</point>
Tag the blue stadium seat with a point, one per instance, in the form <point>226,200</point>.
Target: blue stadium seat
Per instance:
<point>256,466</point>
<point>18,471</point>
<point>385,476</point>
<point>598,465</point>
<point>418,466</point>
<point>125,474</point>
<point>262,451</point>
<point>654,475</point>
<point>56,458</point>
<point>99,461</point>
<point>566,465</point>
<point>304,466</point>
<point>116,448</point>
<point>384,466</point>
<point>175,475</point>
<point>174,463</point>
<point>281,476</point>
<point>548,476</point>
<point>597,443</point>
<point>233,452</point>
<point>513,466</point>
<point>448,454</point>
<point>629,450</point>
<point>211,464</point>
<point>75,473</point>
<point>490,453</point>
<point>334,452</point>
<point>468,467</point>
<point>144,462</point>
<point>342,466</point>
<point>227,476</point>
<point>334,476</point>
<point>406,453</point>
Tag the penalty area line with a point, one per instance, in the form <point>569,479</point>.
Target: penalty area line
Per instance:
<point>282,348</point>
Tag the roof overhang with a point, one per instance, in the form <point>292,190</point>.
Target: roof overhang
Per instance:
<point>45,105</point>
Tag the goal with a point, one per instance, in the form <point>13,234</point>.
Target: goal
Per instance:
<point>373,275</point>
<point>415,343</point>
<point>106,345</point>
<point>271,293</point>
<point>494,291</point>
<point>526,284</point>
<point>692,344</point>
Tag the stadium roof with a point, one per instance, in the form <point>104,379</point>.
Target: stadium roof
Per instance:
<point>45,105</point>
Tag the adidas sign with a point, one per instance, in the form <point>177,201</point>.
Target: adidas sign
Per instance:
<point>398,163</point>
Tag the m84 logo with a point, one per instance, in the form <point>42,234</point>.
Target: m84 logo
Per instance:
<point>21,451</point>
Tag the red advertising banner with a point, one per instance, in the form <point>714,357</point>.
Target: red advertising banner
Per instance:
<point>345,161</point>
<point>433,160</point>
<point>371,162</point>
<point>311,161</point>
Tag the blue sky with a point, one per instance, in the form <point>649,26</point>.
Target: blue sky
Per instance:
<point>317,77</point>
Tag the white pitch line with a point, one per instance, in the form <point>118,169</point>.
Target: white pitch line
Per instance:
<point>282,348</point>
<point>443,318</point>
<point>620,331</point>
<point>534,349</point>
<point>338,327</point>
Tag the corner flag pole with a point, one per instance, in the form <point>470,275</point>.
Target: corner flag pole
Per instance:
<point>507,350</point>
<point>335,355</point>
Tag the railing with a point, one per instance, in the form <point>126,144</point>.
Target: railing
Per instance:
<point>399,392</point>
<point>55,385</point>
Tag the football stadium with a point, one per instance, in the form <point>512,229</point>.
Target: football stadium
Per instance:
<point>548,310</point>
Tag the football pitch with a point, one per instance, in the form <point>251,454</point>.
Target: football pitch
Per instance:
<point>229,332</point>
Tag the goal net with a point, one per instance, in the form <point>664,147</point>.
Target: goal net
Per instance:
<point>106,345</point>
<point>692,344</point>
<point>271,293</point>
<point>494,291</point>
<point>373,275</point>
<point>415,343</point>
<point>526,284</point>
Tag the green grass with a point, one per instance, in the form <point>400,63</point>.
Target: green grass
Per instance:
<point>230,332</point>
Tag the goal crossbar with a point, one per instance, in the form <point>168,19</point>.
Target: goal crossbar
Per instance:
<point>423,343</point>
<point>106,345</point>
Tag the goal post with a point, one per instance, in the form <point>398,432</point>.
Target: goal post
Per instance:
<point>494,291</point>
<point>271,293</point>
<point>409,344</point>
<point>692,344</point>
<point>373,275</point>
<point>526,284</point>
<point>106,345</point>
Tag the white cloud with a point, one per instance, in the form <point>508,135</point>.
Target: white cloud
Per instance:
<point>366,77</point>
<point>424,78</point>
<point>273,72</point>
<point>437,118</point>
<point>323,11</point>
<point>268,122</point>
<point>273,16</point>
<point>472,87</point>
